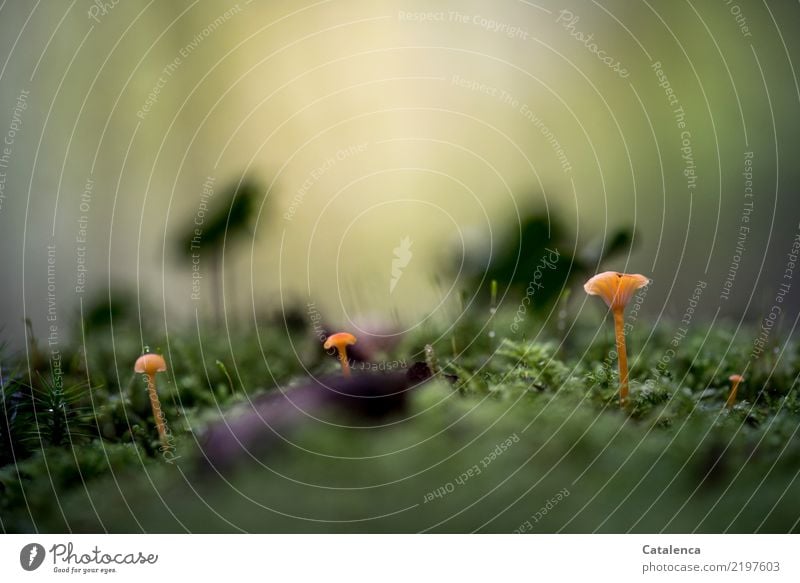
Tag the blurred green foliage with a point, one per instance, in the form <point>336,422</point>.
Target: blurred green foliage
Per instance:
<point>542,259</point>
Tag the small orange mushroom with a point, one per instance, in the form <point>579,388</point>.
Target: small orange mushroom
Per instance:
<point>340,341</point>
<point>616,290</point>
<point>735,380</point>
<point>149,364</point>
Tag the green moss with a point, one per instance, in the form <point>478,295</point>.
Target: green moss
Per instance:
<point>87,458</point>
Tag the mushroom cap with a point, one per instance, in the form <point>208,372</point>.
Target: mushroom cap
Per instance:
<point>150,363</point>
<point>615,288</point>
<point>736,378</point>
<point>339,340</point>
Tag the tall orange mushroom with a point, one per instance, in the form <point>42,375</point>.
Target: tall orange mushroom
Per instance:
<point>340,341</point>
<point>149,364</point>
<point>616,290</point>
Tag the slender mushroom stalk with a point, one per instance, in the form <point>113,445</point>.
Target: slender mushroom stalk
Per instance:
<point>622,355</point>
<point>616,290</point>
<point>340,341</point>
<point>735,380</point>
<point>150,364</point>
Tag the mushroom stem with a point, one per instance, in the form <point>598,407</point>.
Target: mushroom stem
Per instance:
<point>343,360</point>
<point>156,405</point>
<point>622,355</point>
<point>732,395</point>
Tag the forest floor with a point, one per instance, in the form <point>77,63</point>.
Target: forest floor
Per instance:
<point>515,432</point>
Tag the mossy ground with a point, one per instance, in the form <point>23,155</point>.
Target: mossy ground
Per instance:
<point>526,435</point>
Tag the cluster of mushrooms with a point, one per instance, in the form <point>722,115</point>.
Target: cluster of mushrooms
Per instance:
<point>614,288</point>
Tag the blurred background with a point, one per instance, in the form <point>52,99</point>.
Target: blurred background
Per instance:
<point>353,158</point>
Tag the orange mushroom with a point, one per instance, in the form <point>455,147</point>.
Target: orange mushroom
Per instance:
<point>616,290</point>
<point>149,364</point>
<point>340,341</point>
<point>735,380</point>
